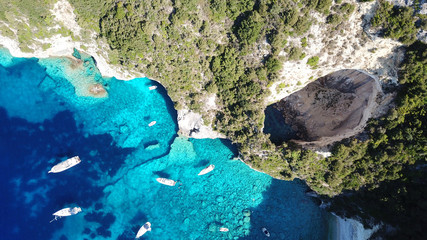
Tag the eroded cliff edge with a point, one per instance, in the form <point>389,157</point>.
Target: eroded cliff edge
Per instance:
<point>331,108</point>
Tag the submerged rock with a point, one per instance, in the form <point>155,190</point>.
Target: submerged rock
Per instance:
<point>247,213</point>
<point>97,90</point>
<point>213,227</point>
<point>220,199</point>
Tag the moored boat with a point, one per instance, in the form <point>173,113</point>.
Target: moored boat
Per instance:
<point>152,87</point>
<point>166,181</point>
<point>223,229</point>
<point>265,231</point>
<point>64,165</point>
<point>206,170</point>
<point>145,228</point>
<point>65,212</point>
<point>152,123</point>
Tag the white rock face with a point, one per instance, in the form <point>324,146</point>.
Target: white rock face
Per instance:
<point>63,12</point>
<point>404,3</point>
<point>191,125</point>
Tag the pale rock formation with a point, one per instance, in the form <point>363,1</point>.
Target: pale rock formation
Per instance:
<point>191,125</point>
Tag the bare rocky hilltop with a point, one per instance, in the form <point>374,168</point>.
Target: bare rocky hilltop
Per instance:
<point>331,108</point>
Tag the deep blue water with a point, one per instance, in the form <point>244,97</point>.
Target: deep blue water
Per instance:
<point>47,116</point>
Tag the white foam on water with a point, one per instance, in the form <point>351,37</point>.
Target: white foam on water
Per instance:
<point>348,229</point>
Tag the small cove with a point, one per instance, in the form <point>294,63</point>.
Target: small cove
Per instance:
<point>44,121</point>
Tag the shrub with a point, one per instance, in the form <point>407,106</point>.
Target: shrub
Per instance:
<point>304,42</point>
<point>295,53</point>
<point>313,61</point>
<point>278,41</point>
<point>302,25</point>
<point>291,17</point>
<point>346,9</point>
<point>323,5</point>
<point>333,19</point>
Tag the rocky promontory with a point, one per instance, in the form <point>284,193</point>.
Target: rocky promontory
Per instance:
<point>331,108</point>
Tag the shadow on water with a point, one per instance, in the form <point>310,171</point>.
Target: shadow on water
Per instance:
<point>150,143</point>
<point>288,214</point>
<point>29,194</point>
<point>276,126</point>
<point>169,103</point>
<point>202,163</point>
<point>162,174</point>
<point>230,145</point>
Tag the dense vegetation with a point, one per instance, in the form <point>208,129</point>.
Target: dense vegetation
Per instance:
<point>397,22</point>
<point>380,175</point>
<point>392,164</point>
<point>394,141</point>
<point>382,179</point>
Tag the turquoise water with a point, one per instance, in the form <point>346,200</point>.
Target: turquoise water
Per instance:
<point>47,114</point>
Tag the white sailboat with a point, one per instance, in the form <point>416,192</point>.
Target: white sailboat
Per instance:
<point>152,123</point>
<point>65,212</point>
<point>223,229</point>
<point>166,181</point>
<point>206,170</point>
<point>152,87</point>
<point>64,165</point>
<point>145,228</point>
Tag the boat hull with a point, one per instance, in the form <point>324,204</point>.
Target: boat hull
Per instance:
<point>207,170</point>
<point>166,181</point>
<point>145,228</point>
<point>65,212</point>
<point>62,166</point>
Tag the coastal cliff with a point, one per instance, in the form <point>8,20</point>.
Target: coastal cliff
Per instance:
<point>331,108</point>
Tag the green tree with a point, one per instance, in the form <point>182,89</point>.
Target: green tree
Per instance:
<point>250,28</point>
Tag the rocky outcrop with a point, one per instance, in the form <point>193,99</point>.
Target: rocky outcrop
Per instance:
<point>191,125</point>
<point>331,108</point>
